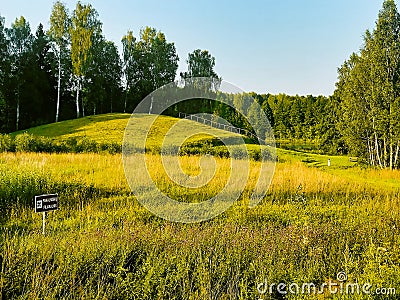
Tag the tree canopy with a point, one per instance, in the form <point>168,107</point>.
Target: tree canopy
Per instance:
<point>369,91</point>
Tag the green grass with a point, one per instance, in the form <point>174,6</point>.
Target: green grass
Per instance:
<point>99,128</point>
<point>343,167</point>
<point>111,127</point>
<point>315,160</point>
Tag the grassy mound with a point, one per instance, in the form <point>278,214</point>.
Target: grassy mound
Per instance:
<point>105,133</point>
<point>111,127</point>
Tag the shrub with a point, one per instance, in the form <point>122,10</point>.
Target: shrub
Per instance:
<point>29,143</point>
<point>86,145</point>
<point>70,145</point>
<point>44,144</point>
<point>6,143</point>
<point>25,142</point>
<point>110,147</point>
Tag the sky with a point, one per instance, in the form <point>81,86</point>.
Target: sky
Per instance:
<point>265,46</point>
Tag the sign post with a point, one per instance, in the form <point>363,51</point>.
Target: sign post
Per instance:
<point>45,203</point>
<point>44,222</point>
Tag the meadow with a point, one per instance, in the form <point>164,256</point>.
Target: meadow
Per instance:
<point>102,244</point>
<point>313,223</point>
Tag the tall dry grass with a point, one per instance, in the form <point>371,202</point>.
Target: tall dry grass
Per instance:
<point>102,244</point>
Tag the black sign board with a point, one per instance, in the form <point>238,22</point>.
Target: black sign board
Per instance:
<point>45,203</point>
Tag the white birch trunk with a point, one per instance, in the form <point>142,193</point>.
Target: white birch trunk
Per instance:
<point>396,156</point>
<point>58,85</point>
<point>391,156</point>
<point>125,102</point>
<point>377,151</point>
<point>77,100</point>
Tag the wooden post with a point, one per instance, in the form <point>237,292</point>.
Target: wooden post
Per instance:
<point>44,223</point>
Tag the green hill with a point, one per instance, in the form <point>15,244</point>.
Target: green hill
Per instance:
<point>106,133</point>
<point>110,128</point>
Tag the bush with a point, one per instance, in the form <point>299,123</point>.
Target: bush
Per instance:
<point>25,143</point>
<point>70,145</point>
<point>6,143</point>
<point>86,145</point>
<point>29,143</point>
<point>44,144</point>
<point>109,147</point>
<point>239,153</point>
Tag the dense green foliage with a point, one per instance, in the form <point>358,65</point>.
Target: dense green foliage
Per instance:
<point>39,73</point>
<point>149,63</point>
<point>72,70</point>
<point>295,120</point>
<point>369,89</point>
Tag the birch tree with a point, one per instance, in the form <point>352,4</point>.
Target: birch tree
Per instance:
<point>83,29</point>
<point>201,64</point>
<point>3,74</point>
<point>149,62</point>
<point>58,33</point>
<point>20,43</point>
<point>128,55</point>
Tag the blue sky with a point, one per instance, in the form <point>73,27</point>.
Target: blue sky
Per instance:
<point>270,46</point>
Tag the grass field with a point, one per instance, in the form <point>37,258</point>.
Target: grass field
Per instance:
<point>315,222</point>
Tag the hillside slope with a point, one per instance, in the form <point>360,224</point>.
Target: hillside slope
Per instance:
<point>111,127</point>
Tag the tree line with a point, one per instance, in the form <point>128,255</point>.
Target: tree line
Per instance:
<point>72,70</point>
<point>294,119</point>
<point>41,72</point>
